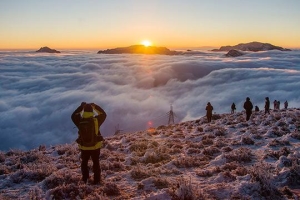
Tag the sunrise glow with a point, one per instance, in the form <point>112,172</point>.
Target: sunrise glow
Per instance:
<point>99,25</point>
<point>146,43</point>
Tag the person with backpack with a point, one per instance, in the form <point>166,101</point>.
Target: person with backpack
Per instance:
<point>248,106</point>
<point>209,110</point>
<point>90,140</point>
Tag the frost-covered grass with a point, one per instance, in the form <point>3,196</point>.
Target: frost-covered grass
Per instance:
<point>228,158</point>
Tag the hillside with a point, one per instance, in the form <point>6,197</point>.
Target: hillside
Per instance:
<point>226,159</point>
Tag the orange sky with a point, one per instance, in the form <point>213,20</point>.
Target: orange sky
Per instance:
<point>173,24</point>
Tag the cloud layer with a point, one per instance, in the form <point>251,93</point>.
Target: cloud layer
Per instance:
<point>39,92</point>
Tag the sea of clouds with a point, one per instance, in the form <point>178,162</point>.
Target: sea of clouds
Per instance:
<point>40,91</point>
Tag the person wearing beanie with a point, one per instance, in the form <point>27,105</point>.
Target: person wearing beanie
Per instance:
<point>97,115</point>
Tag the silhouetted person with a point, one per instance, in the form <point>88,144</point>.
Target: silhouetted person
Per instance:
<point>286,104</point>
<point>209,110</point>
<point>275,104</point>
<point>267,105</point>
<point>256,108</point>
<point>91,150</point>
<point>248,106</point>
<point>278,105</point>
<point>233,108</point>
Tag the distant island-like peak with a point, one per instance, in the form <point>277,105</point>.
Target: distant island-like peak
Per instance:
<point>140,49</point>
<point>252,46</point>
<point>47,50</point>
<point>234,53</point>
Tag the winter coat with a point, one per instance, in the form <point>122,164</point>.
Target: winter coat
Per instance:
<point>248,106</point>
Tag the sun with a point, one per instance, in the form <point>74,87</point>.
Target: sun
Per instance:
<point>146,43</point>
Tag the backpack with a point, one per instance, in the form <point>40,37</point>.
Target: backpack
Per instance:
<point>87,133</point>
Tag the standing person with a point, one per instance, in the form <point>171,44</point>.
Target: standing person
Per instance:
<point>90,139</point>
<point>267,105</point>
<point>256,108</point>
<point>275,104</point>
<point>248,106</point>
<point>233,108</point>
<point>209,110</point>
<point>278,105</point>
<point>286,105</point>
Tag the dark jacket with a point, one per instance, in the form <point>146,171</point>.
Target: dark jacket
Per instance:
<point>209,110</point>
<point>267,104</point>
<point>248,106</point>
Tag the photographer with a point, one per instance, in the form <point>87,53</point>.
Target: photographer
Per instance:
<point>90,139</point>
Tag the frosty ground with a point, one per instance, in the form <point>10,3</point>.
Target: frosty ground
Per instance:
<point>229,158</point>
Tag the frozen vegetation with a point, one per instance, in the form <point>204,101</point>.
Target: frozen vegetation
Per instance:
<point>226,159</point>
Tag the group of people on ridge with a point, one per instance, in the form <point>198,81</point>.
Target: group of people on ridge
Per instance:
<point>248,106</point>
<point>88,118</point>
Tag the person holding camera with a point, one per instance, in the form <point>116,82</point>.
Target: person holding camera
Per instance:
<point>88,118</point>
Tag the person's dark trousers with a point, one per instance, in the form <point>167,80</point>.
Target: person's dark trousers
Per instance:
<point>267,111</point>
<point>85,156</point>
<point>248,114</point>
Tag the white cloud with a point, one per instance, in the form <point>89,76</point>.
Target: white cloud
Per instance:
<point>40,92</point>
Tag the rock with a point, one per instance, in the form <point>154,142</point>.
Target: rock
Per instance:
<point>140,49</point>
<point>47,50</point>
<point>252,46</point>
<point>234,53</point>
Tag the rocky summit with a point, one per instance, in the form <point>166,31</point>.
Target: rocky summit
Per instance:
<point>234,53</point>
<point>47,50</point>
<point>252,46</point>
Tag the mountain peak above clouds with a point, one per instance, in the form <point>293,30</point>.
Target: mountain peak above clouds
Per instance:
<point>139,49</point>
<point>47,50</point>
<point>229,158</point>
<point>252,46</point>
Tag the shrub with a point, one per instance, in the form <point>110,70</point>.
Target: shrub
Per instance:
<point>190,161</point>
<point>283,151</point>
<point>230,166</point>
<point>247,141</point>
<point>161,183</point>
<point>207,141</point>
<point>240,155</point>
<point>240,171</point>
<point>295,135</point>
<point>139,173</point>
<point>220,132</point>
<point>60,178</point>
<point>210,151</point>
<point>293,178</point>
<point>262,174</point>
<point>193,151</point>
<point>275,143</point>
<point>156,157</point>
<point>226,149</point>
<point>204,173</point>
<point>184,190</point>
<point>111,189</point>
<point>200,129</point>
<point>70,191</point>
